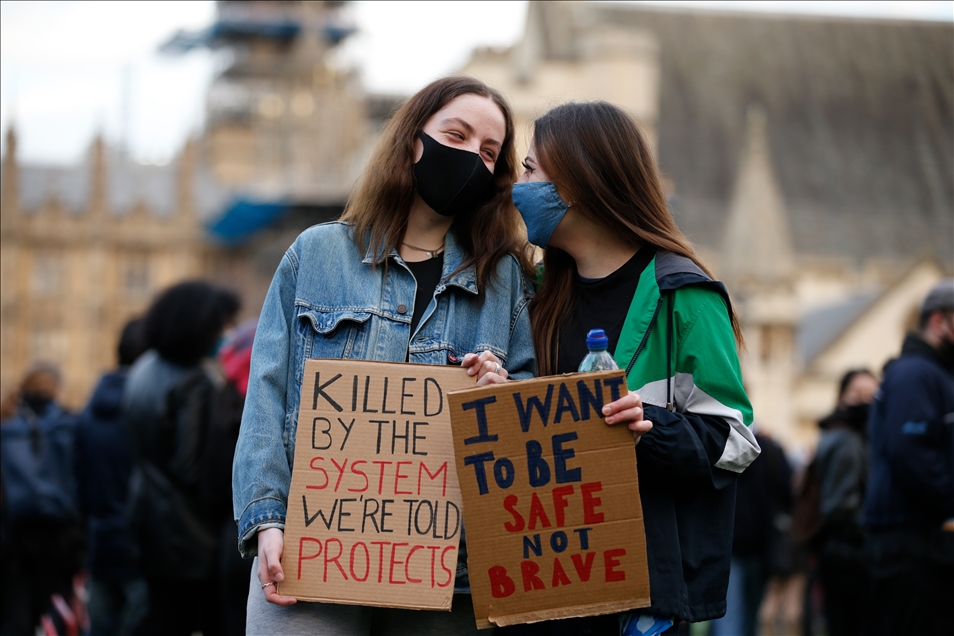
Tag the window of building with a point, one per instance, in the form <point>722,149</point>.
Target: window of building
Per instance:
<point>136,279</point>
<point>47,274</point>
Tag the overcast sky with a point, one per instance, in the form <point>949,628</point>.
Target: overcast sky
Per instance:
<point>70,69</point>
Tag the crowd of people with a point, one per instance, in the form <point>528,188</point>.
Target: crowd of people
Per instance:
<point>184,451</point>
<point>116,520</point>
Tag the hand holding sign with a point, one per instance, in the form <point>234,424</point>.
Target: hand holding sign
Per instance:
<point>629,410</point>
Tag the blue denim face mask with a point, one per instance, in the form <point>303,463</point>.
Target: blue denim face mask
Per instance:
<point>541,208</point>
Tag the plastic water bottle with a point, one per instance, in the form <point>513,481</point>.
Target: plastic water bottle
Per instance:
<point>598,359</point>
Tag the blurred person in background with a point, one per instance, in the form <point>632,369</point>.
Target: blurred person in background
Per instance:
<point>44,543</point>
<point>426,266</point>
<point>761,544</point>
<point>117,590</point>
<point>841,469</point>
<point>232,571</point>
<point>909,504</point>
<point>167,405</point>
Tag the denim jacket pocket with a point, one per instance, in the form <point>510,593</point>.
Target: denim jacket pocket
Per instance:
<point>329,334</point>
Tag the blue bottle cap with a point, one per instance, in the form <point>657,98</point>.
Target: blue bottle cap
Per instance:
<point>596,339</point>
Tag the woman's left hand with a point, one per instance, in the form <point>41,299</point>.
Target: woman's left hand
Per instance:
<point>486,367</point>
<point>628,410</point>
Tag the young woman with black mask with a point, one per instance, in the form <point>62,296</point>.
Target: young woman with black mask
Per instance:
<point>426,266</point>
<point>614,259</point>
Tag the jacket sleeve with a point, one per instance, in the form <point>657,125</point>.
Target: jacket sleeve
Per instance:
<point>261,473</point>
<point>918,451</point>
<point>706,440</point>
<point>521,360</point>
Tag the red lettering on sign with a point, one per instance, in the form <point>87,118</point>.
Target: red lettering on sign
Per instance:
<point>610,563</point>
<point>423,469</point>
<point>434,549</point>
<point>394,547</point>
<point>537,512</point>
<point>407,564</point>
<point>583,567</point>
<point>559,574</point>
<point>355,471</point>
<point>510,504</point>
<point>501,585</point>
<point>341,471</point>
<point>528,571</point>
<point>301,552</point>
<point>334,559</point>
<point>590,503</point>
<point>380,545</point>
<point>560,503</point>
<point>319,469</point>
<point>450,573</point>
<point>398,477</point>
<point>367,562</point>
<point>382,464</point>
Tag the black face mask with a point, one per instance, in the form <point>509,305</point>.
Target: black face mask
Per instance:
<point>450,180</point>
<point>37,402</point>
<point>946,352</point>
<point>856,416</point>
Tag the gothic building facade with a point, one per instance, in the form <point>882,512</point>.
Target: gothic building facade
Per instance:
<point>811,160</point>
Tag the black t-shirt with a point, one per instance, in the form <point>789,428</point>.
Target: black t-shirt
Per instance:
<point>427,274</point>
<point>600,303</point>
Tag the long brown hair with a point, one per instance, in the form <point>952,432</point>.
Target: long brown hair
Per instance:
<point>598,159</point>
<point>381,201</point>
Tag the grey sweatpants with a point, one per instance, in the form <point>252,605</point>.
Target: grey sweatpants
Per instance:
<point>327,619</point>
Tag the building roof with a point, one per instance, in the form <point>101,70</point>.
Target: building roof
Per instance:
<point>860,121</point>
<point>819,328</point>
<point>128,184</point>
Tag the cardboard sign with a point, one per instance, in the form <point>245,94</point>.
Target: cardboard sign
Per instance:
<point>374,509</point>
<point>551,500</point>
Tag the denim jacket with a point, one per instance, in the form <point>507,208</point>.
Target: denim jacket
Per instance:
<point>328,301</point>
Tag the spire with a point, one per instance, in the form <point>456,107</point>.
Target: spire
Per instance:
<point>185,180</point>
<point>97,191</point>
<point>757,249</point>
<point>10,202</point>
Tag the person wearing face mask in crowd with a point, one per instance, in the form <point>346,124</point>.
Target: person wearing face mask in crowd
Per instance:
<point>841,469</point>
<point>43,538</point>
<point>614,259</point>
<point>426,266</point>
<point>909,504</point>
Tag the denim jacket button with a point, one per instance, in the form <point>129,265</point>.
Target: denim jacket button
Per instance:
<point>402,309</point>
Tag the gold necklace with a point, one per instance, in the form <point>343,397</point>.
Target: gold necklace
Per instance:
<point>430,253</point>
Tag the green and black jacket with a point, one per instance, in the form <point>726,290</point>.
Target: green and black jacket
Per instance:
<point>679,353</point>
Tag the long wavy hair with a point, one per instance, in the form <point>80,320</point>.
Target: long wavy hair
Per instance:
<point>597,158</point>
<point>381,200</point>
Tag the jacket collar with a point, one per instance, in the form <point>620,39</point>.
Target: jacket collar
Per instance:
<point>915,345</point>
<point>454,256</point>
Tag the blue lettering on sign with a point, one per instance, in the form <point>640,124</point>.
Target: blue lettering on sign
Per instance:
<point>526,411</point>
<point>483,435</point>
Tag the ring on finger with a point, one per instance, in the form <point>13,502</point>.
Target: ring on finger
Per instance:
<point>497,368</point>
<point>264,585</point>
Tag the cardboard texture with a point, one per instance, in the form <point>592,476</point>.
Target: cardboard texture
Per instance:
<point>374,509</point>
<point>551,500</point>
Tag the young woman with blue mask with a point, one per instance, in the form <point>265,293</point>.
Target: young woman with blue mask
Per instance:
<point>426,266</point>
<point>614,259</point>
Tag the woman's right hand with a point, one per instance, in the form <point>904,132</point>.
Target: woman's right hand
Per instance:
<point>271,544</point>
<point>486,366</point>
